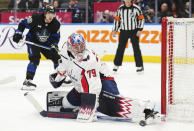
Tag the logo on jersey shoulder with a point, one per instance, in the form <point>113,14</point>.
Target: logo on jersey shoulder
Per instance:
<point>43,35</point>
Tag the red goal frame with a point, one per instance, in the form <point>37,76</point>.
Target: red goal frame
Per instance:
<point>167,40</point>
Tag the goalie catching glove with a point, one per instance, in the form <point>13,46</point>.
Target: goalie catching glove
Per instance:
<point>57,79</point>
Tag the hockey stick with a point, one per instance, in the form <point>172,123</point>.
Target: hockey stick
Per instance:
<point>41,46</point>
<point>32,43</point>
<point>7,80</point>
<point>120,119</point>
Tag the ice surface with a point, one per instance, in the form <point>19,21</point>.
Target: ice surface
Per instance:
<point>17,114</point>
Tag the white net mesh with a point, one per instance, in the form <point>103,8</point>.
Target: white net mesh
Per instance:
<point>180,75</point>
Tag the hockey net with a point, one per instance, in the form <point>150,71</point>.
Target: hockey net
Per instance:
<point>177,97</point>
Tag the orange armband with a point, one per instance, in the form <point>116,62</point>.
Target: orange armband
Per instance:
<point>140,17</point>
<point>117,18</point>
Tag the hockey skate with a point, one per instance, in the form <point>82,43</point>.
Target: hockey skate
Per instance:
<point>28,85</point>
<point>140,70</point>
<point>152,116</point>
<point>115,69</point>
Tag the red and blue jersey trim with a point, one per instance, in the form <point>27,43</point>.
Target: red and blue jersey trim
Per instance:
<point>84,82</point>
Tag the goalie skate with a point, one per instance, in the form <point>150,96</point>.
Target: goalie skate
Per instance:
<point>28,85</point>
<point>152,117</point>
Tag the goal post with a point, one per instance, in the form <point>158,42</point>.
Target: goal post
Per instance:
<point>177,68</point>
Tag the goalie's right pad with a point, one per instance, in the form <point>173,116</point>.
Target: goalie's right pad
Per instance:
<point>87,108</point>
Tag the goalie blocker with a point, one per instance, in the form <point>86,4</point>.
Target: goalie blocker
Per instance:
<point>56,102</point>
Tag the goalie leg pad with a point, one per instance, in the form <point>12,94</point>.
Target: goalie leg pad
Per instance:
<point>108,104</point>
<point>117,106</point>
<point>87,108</point>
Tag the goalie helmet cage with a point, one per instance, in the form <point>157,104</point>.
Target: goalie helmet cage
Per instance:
<point>177,69</point>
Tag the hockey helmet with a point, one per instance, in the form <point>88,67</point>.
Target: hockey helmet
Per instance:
<point>76,44</point>
<point>49,9</point>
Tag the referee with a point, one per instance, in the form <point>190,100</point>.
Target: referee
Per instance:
<point>130,21</point>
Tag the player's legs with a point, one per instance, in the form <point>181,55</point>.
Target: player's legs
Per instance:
<point>109,85</point>
<point>34,57</point>
<point>123,38</point>
<point>136,49</point>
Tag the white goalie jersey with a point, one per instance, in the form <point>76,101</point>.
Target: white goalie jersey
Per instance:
<point>83,73</point>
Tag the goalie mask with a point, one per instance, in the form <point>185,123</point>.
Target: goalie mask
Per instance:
<point>76,45</point>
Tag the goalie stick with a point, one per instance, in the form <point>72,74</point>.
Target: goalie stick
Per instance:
<point>44,113</point>
<point>73,115</point>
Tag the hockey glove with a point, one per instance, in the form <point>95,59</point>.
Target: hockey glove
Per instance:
<point>54,47</point>
<point>17,36</point>
<point>54,82</point>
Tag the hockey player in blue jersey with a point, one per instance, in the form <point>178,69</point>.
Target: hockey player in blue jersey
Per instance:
<point>44,29</point>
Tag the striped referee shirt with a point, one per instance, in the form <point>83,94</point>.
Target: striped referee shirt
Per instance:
<point>129,18</point>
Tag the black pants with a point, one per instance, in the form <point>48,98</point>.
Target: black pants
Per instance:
<point>34,54</point>
<point>124,36</point>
